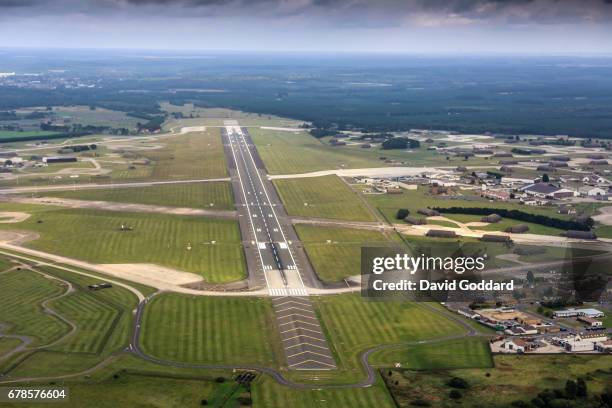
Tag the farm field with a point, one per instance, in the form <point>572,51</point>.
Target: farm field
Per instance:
<point>461,353</point>
<point>85,116</point>
<point>232,330</point>
<point>267,393</point>
<point>96,236</point>
<point>335,253</point>
<point>513,377</point>
<point>380,323</point>
<point>322,197</point>
<point>193,195</point>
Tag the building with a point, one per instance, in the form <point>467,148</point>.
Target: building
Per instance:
<point>517,345</point>
<point>496,195</point>
<point>491,218</point>
<point>604,346</point>
<point>590,191</point>
<point>583,342</point>
<point>592,313</point>
<point>547,190</point>
<point>580,234</point>
<point>594,179</point>
<point>589,321</point>
<point>59,159</point>
<point>518,229</point>
<point>566,209</point>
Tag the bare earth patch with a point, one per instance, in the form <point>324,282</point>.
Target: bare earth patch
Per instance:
<point>10,217</point>
<point>150,274</point>
<point>605,217</point>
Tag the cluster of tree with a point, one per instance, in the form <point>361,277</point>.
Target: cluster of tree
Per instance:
<point>402,213</point>
<point>8,115</point>
<point>153,124</point>
<point>520,150</point>
<point>78,148</point>
<point>559,303</point>
<point>322,132</point>
<point>582,225</point>
<point>400,143</point>
<point>495,174</point>
<point>575,394</point>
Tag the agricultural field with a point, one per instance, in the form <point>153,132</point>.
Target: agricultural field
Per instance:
<point>232,330</point>
<point>513,377</point>
<point>322,197</point>
<point>267,393</point>
<point>335,253</point>
<point>213,196</point>
<point>469,352</point>
<point>96,236</point>
<point>380,323</point>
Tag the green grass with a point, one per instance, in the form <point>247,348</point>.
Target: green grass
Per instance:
<point>133,390</point>
<point>20,306</point>
<point>323,197</point>
<point>30,134</point>
<point>415,199</point>
<point>462,353</point>
<point>7,344</point>
<point>513,377</point>
<point>95,236</point>
<point>233,330</point>
<point>354,324</point>
<point>336,260</point>
<point>189,156</point>
<point>268,393</point>
<point>289,153</point>
<point>196,195</point>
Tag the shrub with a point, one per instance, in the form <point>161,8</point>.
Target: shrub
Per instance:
<point>455,394</point>
<point>457,382</point>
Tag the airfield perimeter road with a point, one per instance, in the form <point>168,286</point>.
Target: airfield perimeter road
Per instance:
<point>274,255</point>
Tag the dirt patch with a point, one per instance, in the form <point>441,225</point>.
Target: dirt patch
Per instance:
<point>17,237</point>
<point>605,216</point>
<point>10,217</point>
<point>150,274</point>
<point>189,129</point>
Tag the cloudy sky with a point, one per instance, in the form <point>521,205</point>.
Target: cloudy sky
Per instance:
<point>415,26</point>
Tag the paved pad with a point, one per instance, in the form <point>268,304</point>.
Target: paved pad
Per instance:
<point>303,340</point>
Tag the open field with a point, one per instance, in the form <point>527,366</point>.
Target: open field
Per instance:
<point>381,323</point>
<point>211,329</point>
<point>335,253</point>
<point>196,155</point>
<point>415,199</point>
<point>267,393</point>
<point>196,195</point>
<point>322,197</point>
<point>514,377</point>
<point>20,306</point>
<point>85,116</point>
<point>295,153</point>
<point>96,236</point>
<point>461,353</point>
<point>197,116</point>
<point>30,134</point>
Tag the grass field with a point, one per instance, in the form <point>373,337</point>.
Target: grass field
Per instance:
<point>194,195</point>
<point>415,199</point>
<point>95,236</point>
<point>189,156</point>
<point>514,377</point>
<point>30,134</point>
<point>210,329</point>
<point>7,344</point>
<point>462,353</point>
<point>322,197</point>
<point>341,256</point>
<point>267,393</point>
<point>20,306</point>
<point>354,324</point>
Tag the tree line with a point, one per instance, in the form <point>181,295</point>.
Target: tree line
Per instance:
<point>522,216</point>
